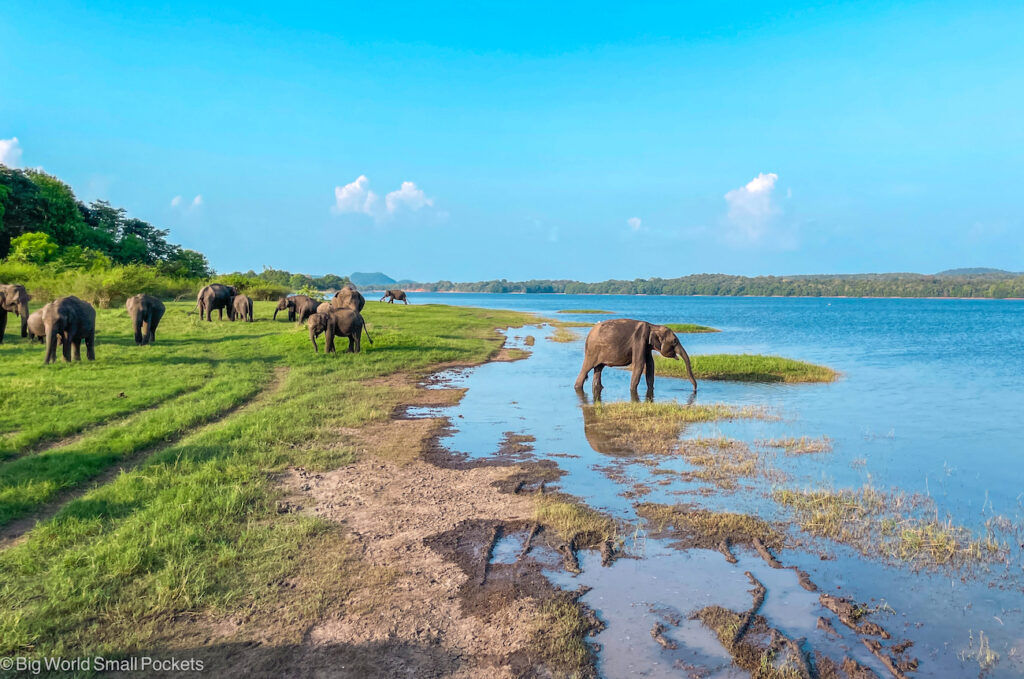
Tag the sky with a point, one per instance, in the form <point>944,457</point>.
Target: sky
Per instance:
<point>523,140</point>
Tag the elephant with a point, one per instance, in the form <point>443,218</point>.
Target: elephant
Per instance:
<point>324,308</point>
<point>215,297</point>
<point>14,298</point>
<point>145,312</point>
<point>344,323</point>
<point>291,303</point>
<point>241,306</point>
<point>72,320</point>
<point>348,298</point>
<point>623,342</point>
<point>392,295</point>
<point>36,329</point>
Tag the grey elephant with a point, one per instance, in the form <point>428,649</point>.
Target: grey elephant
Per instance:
<point>291,304</point>
<point>348,298</point>
<point>145,312</point>
<point>215,297</point>
<point>14,299</point>
<point>324,308</point>
<point>395,295</point>
<point>624,341</point>
<point>241,307</point>
<point>342,323</point>
<point>36,329</point>
<point>73,321</point>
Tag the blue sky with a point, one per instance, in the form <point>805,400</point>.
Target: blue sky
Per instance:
<point>524,140</point>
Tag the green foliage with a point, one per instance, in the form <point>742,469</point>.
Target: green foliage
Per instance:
<point>100,285</point>
<point>282,283</point>
<point>746,368</point>
<point>186,264</point>
<point>255,287</point>
<point>193,529</point>
<point>33,248</point>
<point>689,328</point>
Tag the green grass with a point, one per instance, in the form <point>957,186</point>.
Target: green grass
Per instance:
<point>746,368</point>
<point>222,408</point>
<point>690,328</point>
<point>583,311</point>
<point>564,335</point>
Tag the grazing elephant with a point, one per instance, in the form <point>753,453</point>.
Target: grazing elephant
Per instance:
<point>624,342</point>
<point>72,320</point>
<point>36,329</point>
<point>291,303</point>
<point>145,312</point>
<point>392,295</point>
<point>348,298</point>
<point>343,323</point>
<point>14,298</point>
<point>241,306</point>
<point>215,297</point>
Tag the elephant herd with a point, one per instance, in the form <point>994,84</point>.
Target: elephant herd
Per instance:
<point>69,321</point>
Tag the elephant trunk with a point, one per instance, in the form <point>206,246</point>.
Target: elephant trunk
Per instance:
<point>23,312</point>
<point>689,370</point>
<point>275,313</point>
<point>51,343</point>
<point>312,338</point>
<point>137,322</point>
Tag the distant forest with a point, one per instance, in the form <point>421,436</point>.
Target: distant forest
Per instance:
<point>985,283</point>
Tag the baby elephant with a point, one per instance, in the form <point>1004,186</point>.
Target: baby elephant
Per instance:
<point>241,306</point>
<point>36,330</point>
<point>72,320</point>
<point>343,323</point>
<point>145,312</point>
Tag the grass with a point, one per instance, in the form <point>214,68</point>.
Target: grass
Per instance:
<point>800,446</point>
<point>690,328</point>
<point>563,335</point>
<point>569,519</point>
<point>560,638</point>
<point>646,428</point>
<point>695,527</point>
<point>583,311</point>
<point>193,529</point>
<point>762,660</point>
<point>890,525</point>
<point>746,368</point>
<point>721,461</point>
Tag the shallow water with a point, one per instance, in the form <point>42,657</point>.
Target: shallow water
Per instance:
<point>929,402</point>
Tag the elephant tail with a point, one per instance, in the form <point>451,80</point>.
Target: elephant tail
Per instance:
<point>367,334</point>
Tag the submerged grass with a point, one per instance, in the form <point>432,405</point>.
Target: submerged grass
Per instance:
<point>569,519</point>
<point>803,445</point>
<point>559,637</point>
<point>562,334</point>
<point>746,368</point>
<point>891,525</point>
<point>690,328</point>
<point>194,529</point>
<point>692,526</point>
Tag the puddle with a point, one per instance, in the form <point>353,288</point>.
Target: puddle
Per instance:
<point>533,400</point>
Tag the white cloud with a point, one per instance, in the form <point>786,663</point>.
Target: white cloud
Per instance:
<point>10,152</point>
<point>409,197</point>
<point>198,200</point>
<point>751,209</point>
<point>634,223</point>
<point>357,198</point>
<point>176,201</point>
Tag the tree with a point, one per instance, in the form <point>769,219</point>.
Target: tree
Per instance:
<point>33,248</point>
<point>186,264</point>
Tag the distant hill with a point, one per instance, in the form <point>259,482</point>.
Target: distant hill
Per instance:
<point>371,280</point>
<point>976,271</point>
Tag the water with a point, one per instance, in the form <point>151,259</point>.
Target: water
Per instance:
<point>930,402</point>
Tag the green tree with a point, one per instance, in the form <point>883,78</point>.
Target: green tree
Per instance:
<point>186,264</point>
<point>33,248</point>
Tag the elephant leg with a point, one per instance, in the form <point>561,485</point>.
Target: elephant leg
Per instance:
<point>329,341</point>
<point>3,324</point>
<point>598,371</point>
<point>351,344</point>
<point>584,371</point>
<point>649,371</point>
<point>406,301</point>
<point>152,329</point>
<point>76,350</point>
<point>65,347</point>
<point>358,340</point>
<point>220,313</point>
<point>137,322</point>
<point>90,346</point>
<point>638,369</point>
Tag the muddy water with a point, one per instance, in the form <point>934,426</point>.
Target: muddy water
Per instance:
<point>942,612</point>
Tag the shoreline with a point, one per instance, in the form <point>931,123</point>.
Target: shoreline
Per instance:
<point>627,294</point>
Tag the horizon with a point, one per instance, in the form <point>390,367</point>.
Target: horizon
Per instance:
<point>471,144</point>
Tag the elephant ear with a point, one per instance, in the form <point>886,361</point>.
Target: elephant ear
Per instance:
<point>641,342</point>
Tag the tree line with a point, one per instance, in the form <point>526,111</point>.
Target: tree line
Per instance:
<point>997,285</point>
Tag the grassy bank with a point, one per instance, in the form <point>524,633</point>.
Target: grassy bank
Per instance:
<point>584,311</point>
<point>690,328</point>
<point>746,368</point>
<point>209,414</point>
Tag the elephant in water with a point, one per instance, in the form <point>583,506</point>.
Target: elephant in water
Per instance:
<point>343,323</point>
<point>392,295</point>
<point>72,320</point>
<point>622,342</point>
<point>145,312</point>
<point>348,298</point>
<point>291,304</point>
<point>14,299</point>
<point>215,297</point>
<point>241,307</point>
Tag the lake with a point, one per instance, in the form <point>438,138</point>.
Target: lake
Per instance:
<point>930,402</point>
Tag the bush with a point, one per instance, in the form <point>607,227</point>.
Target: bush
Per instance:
<point>102,287</point>
<point>257,288</point>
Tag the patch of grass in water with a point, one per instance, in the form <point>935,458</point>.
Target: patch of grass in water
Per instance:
<point>890,525</point>
<point>560,635</point>
<point>569,518</point>
<point>746,368</point>
<point>583,311</point>
<point>803,445</point>
<point>561,334</point>
<point>695,527</point>
<point>690,328</point>
<point>760,659</point>
<point>721,461</point>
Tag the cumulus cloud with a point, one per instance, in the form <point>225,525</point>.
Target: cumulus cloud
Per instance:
<point>176,201</point>
<point>10,152</point>
<point>198,200</point>
<point>634,223</point>
<point>751,209</point>
<point>357,197</point>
